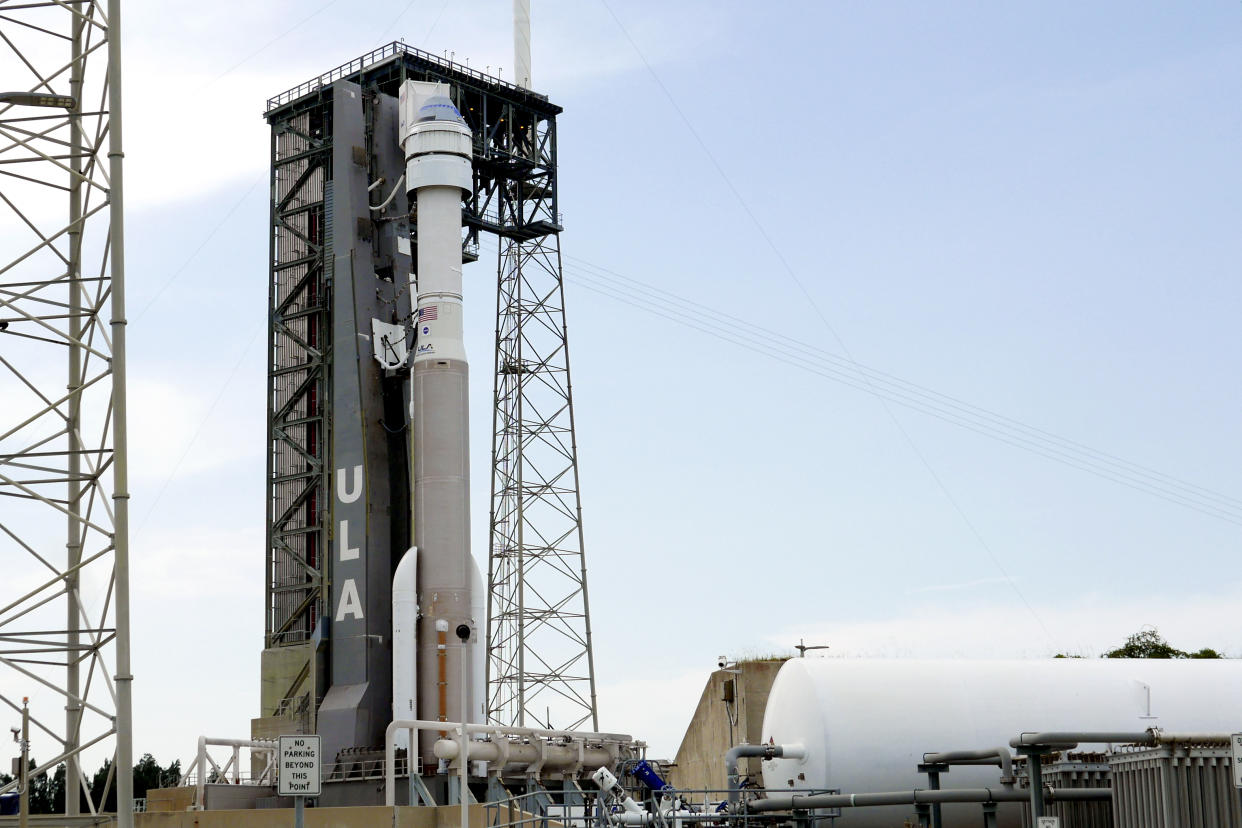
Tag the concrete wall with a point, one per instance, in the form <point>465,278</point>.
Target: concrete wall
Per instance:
<point>284,672</point>
<point>280,668</point>
<point>170,800</point>
<point>718,725</point>
<point>447,816</point>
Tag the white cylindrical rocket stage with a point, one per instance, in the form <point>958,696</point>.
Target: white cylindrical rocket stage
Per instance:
<point>438,155</point>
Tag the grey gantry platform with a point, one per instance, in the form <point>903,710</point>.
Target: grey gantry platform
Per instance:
<point>336,418</point>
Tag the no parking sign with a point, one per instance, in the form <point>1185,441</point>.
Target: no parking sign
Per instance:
<point>298,768</point>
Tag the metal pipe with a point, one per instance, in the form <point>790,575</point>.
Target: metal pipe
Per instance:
<point>1068,739</point>
<point>390,747</point>
<point>1035,777</point>
<point>120,428</point>
<point>914,797</point>
<point>765,751</point>
<point>23,808</point>
<point>1001,755</point>
<point>442,670</point>
<point>1172,738</point>
<point>933,782</point>
<point>648,818</point>
<point>396,188</point>
<point>200,762</point>
<point>463,779</point>
<point>73,683</point>
<point>554,757</point>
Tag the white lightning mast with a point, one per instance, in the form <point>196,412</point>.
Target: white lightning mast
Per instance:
<point>521,43</point>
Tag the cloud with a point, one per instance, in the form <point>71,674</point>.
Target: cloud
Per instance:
<point>223,562</point>
<point>978,582</point>
<point>175,430</point>
<point>175,154</point>
<point>197,611</point>
<point>655,710</point>
<point>580,50</point>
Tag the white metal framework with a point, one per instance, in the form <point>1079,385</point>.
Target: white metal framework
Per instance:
<point>64,604</point>
<point>541,667</point>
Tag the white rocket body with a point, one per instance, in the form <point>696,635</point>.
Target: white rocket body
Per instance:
<point>438,152</point>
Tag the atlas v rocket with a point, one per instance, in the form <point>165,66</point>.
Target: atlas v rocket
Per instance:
<point>403,636</point>
<point>437,589</point>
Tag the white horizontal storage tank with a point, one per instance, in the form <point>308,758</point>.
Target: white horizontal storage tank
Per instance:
<point>866,723</point>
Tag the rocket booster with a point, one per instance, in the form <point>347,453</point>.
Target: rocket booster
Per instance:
<point>437,147</point>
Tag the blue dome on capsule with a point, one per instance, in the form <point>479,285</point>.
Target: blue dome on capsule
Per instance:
<point>439,108</point>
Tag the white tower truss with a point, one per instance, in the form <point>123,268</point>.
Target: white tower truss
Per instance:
<point>64,603</point>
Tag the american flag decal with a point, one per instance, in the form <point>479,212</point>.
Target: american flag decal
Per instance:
<point>429,313</point>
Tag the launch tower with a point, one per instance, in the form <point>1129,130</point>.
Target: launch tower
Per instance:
<point>344,245</point>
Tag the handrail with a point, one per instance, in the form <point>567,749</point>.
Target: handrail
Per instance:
<point>383,52</point>
<point>202,759</point>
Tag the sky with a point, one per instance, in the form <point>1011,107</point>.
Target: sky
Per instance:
<point>1030,208</point>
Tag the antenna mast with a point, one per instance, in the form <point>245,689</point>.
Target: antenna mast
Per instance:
<point>521,43</point>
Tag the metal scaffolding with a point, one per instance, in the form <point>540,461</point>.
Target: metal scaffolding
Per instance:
<point>539,645</point>
<point>540,662</point>
<point>64,624</point>
<point>297,390</point>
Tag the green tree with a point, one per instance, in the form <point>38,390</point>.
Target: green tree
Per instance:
<point>1148,643</point>
<point>98,782</point>
<point>148,775</point>
<point>47,794</point>
<point>1206,652</point>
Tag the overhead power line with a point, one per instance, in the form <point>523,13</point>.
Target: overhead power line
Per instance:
<point>823,318</point>
<point>796,353</point>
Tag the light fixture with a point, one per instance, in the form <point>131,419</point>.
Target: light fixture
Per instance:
<point>38,99</point>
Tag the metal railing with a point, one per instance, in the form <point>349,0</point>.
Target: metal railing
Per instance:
<point>587,809</point>
<point>385,52</point>
<point>205,769</point>
<point>534,810</point>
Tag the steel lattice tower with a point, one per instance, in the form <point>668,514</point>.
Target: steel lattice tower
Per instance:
<point>64,623</point>
<point>540,663</point>
<point>539,624</point>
